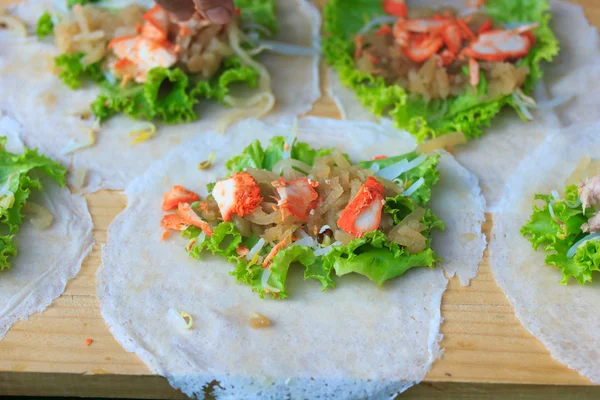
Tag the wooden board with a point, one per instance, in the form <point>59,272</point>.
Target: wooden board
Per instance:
<point>484,342</point>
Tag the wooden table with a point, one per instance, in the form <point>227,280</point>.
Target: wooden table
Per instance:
<point>488,354</point>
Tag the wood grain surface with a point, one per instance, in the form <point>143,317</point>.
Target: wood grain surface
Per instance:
<point>485,345</point>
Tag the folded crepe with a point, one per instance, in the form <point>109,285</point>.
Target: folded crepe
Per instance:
<point>541,281</point>
<point>58,118</point>
<point>47,256</point>
<point>356,340</point>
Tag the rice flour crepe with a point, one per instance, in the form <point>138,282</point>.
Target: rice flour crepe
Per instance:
<point>58,119</point>
<point>354,341</point>
<point>440,69</point>
<point>493,156</point>
<point>47,258</point>
<point>547,300</point>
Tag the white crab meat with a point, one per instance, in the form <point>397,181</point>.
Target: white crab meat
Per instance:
<point>589,192</point>
<point>124,47</point>
<point>150,54</point>
<point>593,224</point>
<point>224,194</point>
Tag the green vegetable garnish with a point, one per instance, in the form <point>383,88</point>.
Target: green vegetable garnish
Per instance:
<point>372,255</point>
<point>469,112</point>
<point>16,183</point>
<point>45,25</point>
<point>73,73</point>
<point>168,95</point>
<point>556,226</point>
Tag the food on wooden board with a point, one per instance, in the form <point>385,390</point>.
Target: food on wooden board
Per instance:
<point>566,226</point>
<point>285,203</point>
<point>436,71</point>
<point>151,80</point>
<point>265,209</point>
<point>548,275</point>
<point>17,179</point>
<point>153,66</point>
<point>46,231</point>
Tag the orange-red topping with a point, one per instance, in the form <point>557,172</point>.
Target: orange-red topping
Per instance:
<point>297,197</point>
<point>239,195</point>
<point>363,214</point>
<point>178,194</point>
<point>189,216</point>
<point>397,8</point>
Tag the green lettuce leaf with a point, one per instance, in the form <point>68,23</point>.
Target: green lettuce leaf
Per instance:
<point>260,12</point>
<point>426,170</point>
<point>168,94</point>
<point>376,258</point>
<point>586,260</point>
<point>45,25</point>
<point>255,156</point>
<point>234,72</point>
<point>16,184</point>
<point>8,251</point>
<point>373,255</point>
<point>226,239</point>
<point>557,235</point>
<point>73,73</point>
<point>163,96</point>
<point>468,113</point>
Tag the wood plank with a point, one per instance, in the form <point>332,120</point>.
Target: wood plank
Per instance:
<point>484,342</point>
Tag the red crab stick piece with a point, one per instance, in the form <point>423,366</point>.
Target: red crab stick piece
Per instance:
<point>486,27</point>
<point>189,216</point>
<point>298,196</point>
<point>423,25</point>
<point>157,24</point>
<point>178,194</point>
<point>401,35</point>
<point>499,45</point>
<point>397,8</point>
<point>174,222</point>
<point>239,195</point>
<point>422,47</point>
<point>452,38</point>
<point>363,214</point>
<point>275,250</point>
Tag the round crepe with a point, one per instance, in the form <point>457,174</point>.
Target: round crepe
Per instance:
<point>494,156</point>
<point>47,259</point>
<point>354,341</point>
<point>560,316</point>
<point>26,81</point>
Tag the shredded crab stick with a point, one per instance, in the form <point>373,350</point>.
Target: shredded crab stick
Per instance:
<point>363,213</point>
<point>173,222</point>
<point>298,197</point>
<point>189,216</point>
<point>275,250</point>
<point>178,194</point>
<point>422,47</point>
<point>401,35</point>
<point>156,26</point>
<point>397,8</point>
<point>499,45</point>
<point>452,38</point>
<point>239,195</point>
<point>138,54</point>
